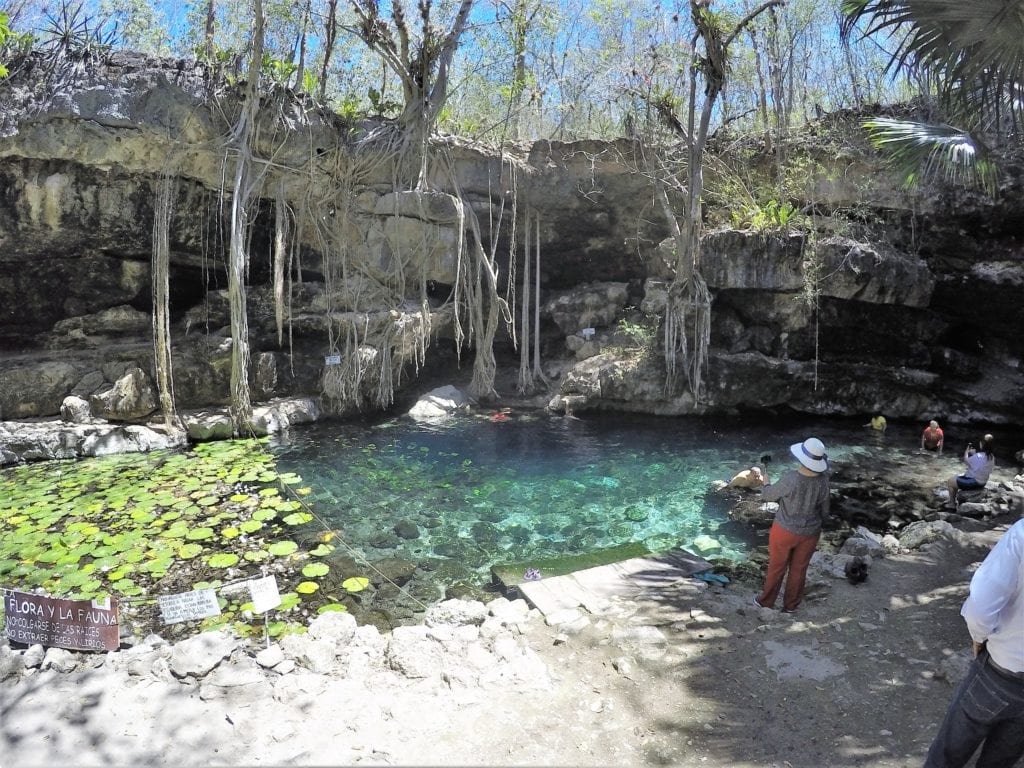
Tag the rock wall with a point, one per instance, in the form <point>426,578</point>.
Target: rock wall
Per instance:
<point>916,317</point>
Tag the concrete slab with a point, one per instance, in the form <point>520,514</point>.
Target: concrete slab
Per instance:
<point>593,588</point>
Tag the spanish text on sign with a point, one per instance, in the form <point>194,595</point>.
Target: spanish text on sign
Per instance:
<point>198,604</point>
<point>82,625</point>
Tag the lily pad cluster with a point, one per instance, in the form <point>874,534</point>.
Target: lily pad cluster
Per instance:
<point>142,525</point>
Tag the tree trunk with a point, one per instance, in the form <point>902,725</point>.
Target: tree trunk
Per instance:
<point>330,35</point>
<point>238,256</point>
<point>211,20</point>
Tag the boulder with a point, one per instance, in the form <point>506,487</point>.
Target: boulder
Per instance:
<point>334,627</point>
<point>592,305</point>
<point>130,398</point>
<point>75,410</point>
<point>439,404</point>
<point>455,613</point>
<point>412,653</point>
<point>197,655</point>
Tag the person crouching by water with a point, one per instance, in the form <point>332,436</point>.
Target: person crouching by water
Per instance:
<point>980,464</point>
<point>803,497</point>
<point>748,478</point>
<point>932,437</point>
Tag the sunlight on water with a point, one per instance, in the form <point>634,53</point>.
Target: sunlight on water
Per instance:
<point>484,492</point>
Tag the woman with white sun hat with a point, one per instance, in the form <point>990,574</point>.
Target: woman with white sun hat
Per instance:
<point>803,497</point>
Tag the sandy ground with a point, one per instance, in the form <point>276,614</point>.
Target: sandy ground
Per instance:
<point>860,676</point>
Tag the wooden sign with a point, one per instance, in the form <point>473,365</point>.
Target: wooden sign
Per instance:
<point>82,625</point>
<point>264,594</point>
<point>187,606</point>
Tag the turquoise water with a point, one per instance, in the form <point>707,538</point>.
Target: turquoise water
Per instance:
<point>475,492</point>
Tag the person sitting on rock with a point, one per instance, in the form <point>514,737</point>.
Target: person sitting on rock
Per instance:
<point>980,464</point>
<point>748,478</point>
<point>932,437</point>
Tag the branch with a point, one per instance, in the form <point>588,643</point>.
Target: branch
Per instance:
<point>750,17</point>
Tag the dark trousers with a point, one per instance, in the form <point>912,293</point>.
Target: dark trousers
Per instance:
<point>788,557</point>
<point>987,710</point>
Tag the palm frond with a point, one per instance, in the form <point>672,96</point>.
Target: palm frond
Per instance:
<point>960,42</point>
<point>923,151</point>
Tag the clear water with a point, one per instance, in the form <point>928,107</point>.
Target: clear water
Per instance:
<point>482,492</point>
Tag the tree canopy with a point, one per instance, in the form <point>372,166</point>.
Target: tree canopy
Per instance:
<point>563,70</point>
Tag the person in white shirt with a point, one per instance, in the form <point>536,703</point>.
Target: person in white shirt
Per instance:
<point>988,707</point>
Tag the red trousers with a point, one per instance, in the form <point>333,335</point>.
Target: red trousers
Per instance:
<point>786,551</point>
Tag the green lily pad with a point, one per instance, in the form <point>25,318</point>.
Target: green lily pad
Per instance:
<point>307,587</point>
<point>322,550</point>
<point>198,534</point>
<point>222,560</point>
<point>355,584</point>
<point>188,551</point>
<point>230,532</point>
<point>282,548</point>
<point>251,526</point>
<point>297,518</point>
<point>314,570</point>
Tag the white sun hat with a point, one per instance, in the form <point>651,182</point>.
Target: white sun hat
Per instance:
<point>811,453</point>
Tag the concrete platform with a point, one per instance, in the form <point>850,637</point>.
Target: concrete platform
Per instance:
<point>593,588</point>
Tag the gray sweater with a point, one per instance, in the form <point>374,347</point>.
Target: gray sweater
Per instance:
<point>803,501</point>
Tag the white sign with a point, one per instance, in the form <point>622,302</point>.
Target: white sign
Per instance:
<point>588,333</point>
<point>332,359</point>
<point>197,604</point>
<point>264,594</point>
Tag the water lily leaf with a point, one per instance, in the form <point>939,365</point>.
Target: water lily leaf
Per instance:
<point>338,607</point>
<point>238,498</point>
<point>207,501</point>
<point>188,551</point>
<point>251,526</point>
<point>230,533</point>
<point>289,600</point>
<point>313,570</point>
<point>282,548</point>
<point>256,555</point>
<point>198,534</point>
<point>222,560</point>
<point>297,518</point>
<point>355,584</point>
<point>275,628</point>
<point>288,506</point>
<point>264,514</point>
<point>270,492</point>
<point>303,491</point>
<point>289,478</point>
<point>307,587</point>
<point>321,550</point>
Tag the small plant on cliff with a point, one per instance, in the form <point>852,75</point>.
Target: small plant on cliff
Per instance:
<point>643,332</point>
<point>771,216</point>
<point>71,33</point>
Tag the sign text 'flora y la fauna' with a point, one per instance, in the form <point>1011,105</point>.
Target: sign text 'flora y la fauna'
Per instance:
<point>82,625</point>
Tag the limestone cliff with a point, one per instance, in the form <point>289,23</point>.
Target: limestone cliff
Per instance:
<point>911,307</point>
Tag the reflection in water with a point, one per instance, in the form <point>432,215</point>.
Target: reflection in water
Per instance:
<point>480,492</point>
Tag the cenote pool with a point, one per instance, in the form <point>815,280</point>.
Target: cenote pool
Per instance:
<point>341,512</point>
<point>475,491</point>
